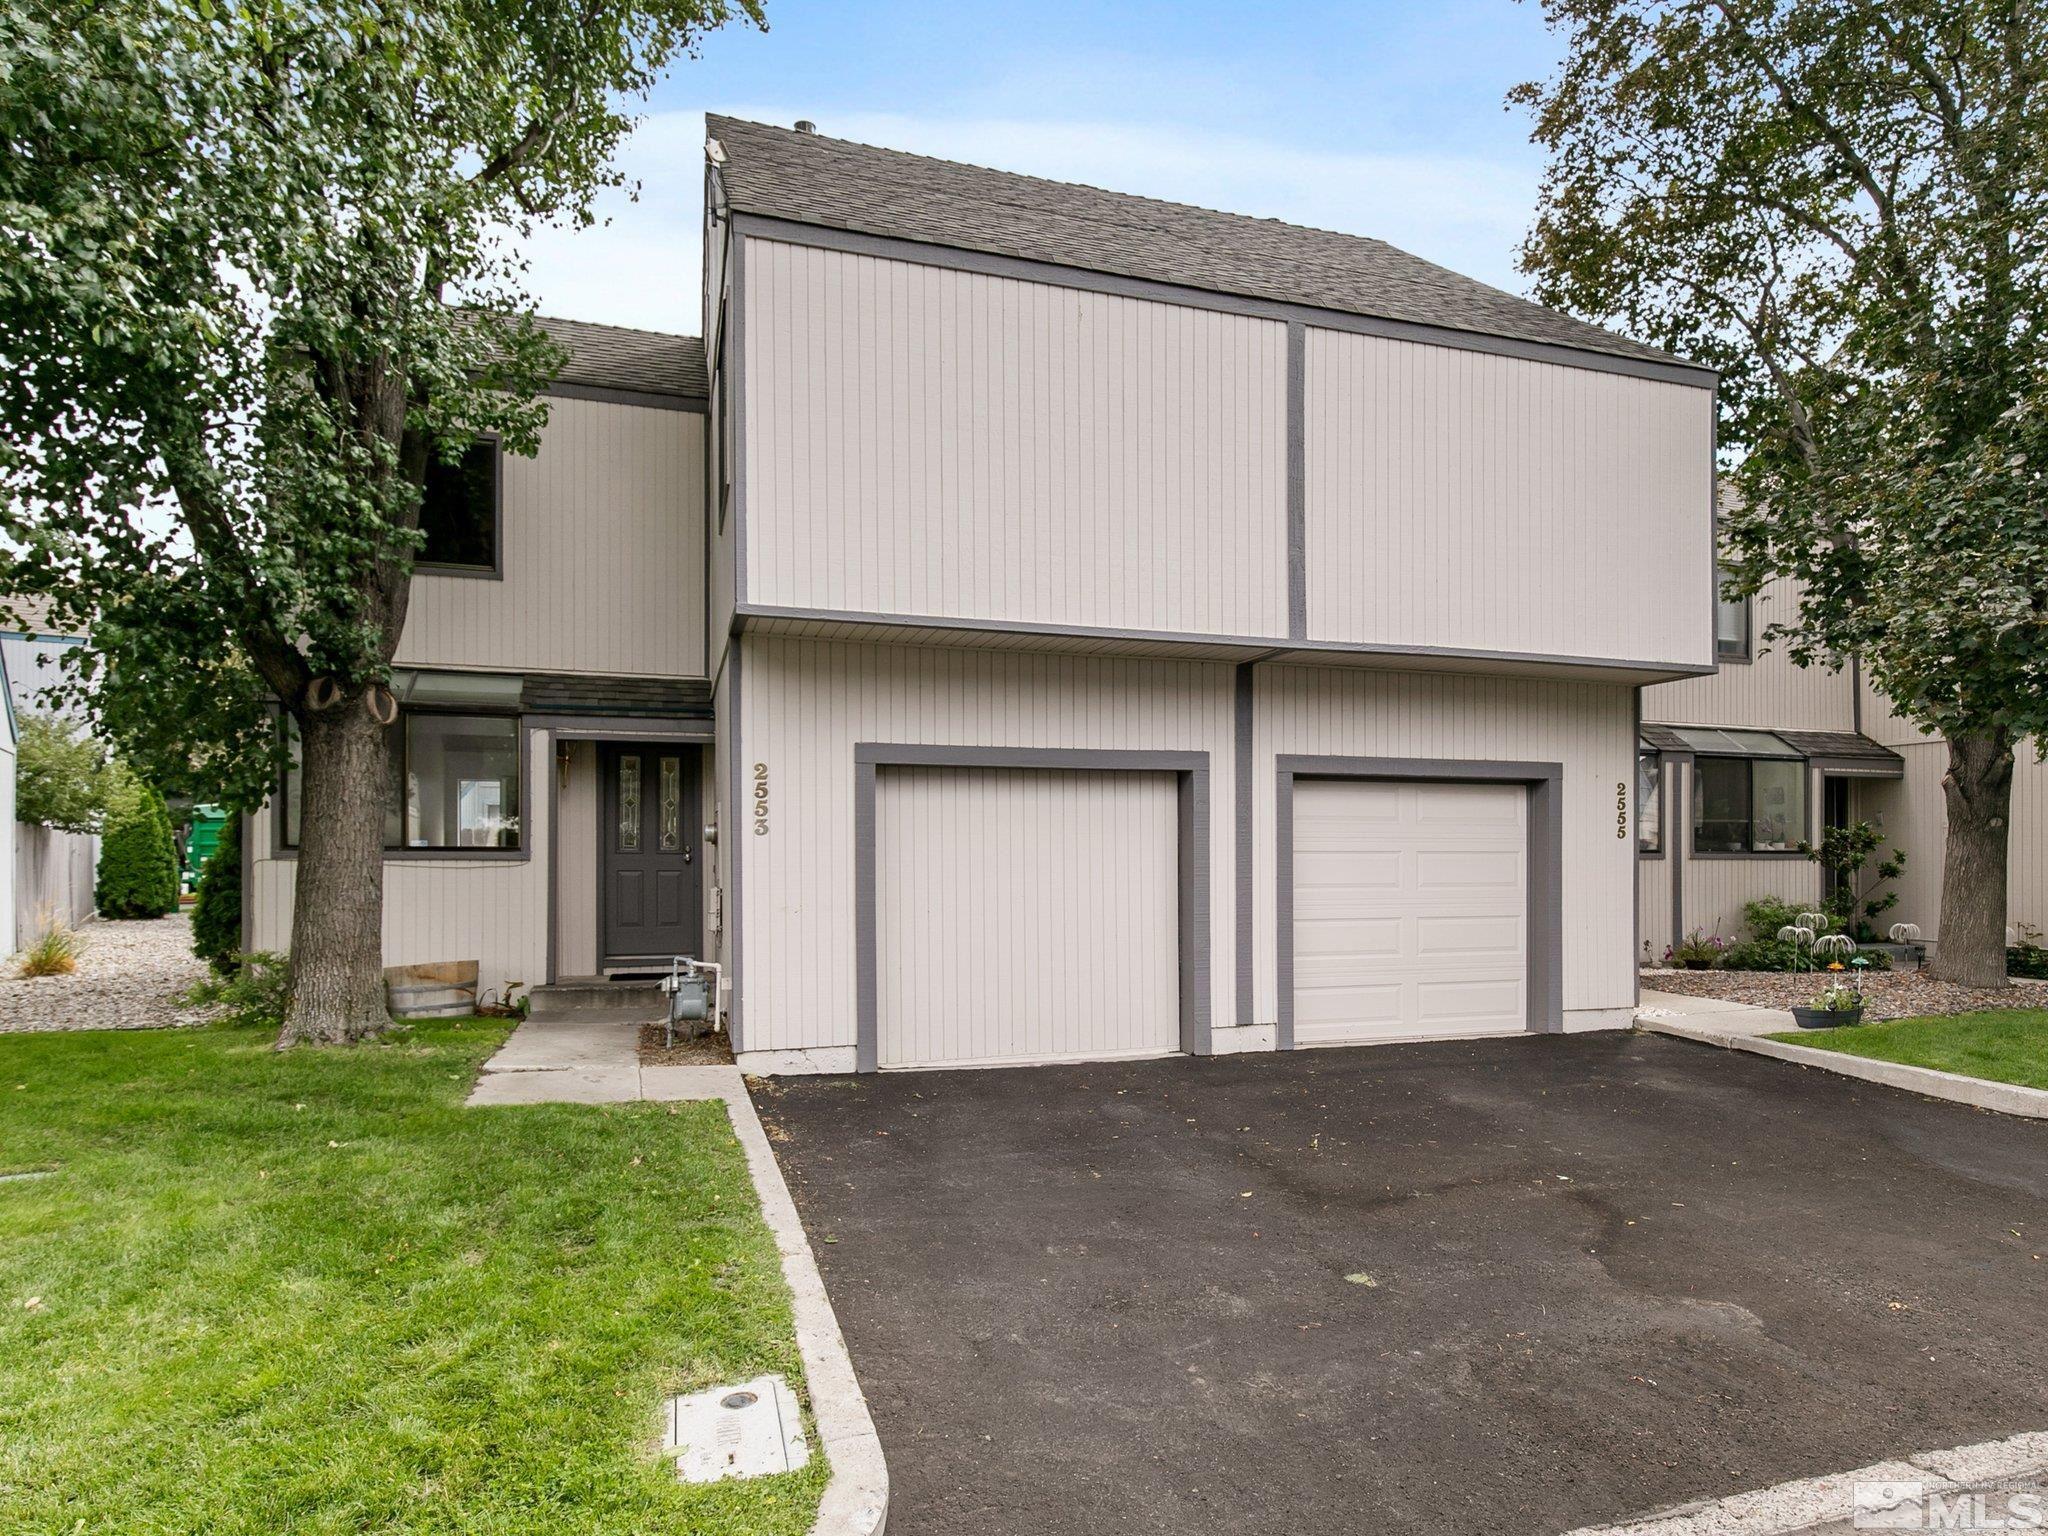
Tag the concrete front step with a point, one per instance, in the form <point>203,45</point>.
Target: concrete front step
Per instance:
<point>622,1000</point>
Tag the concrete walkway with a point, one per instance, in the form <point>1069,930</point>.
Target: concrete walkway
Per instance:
<point>597,1061</point>
<point>1740,1027</point>
<point>592,1061</point>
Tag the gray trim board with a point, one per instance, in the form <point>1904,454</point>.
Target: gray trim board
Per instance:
<point>1677,837</point>
<point>730,839</point>
<point>648,399</point>
<point>1023,269</point>
<point>1635,829</point>
<point>1545,998</point>
<point>1857,768</point>
<point>1241,876</point>
<point>1195,834</point>
<point>1297,481</point>
<point>624,728</point>
<point>554,877</point>
<point>1271,647</point>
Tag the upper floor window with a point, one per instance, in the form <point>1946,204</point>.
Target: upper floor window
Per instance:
<point>1731,622</point>
<point>451,782</point>
<point>459,511</point>
<point>1650,802</point>
<point>1748,804</point>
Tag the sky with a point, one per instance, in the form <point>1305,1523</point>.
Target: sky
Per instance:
<point>1383,118</point>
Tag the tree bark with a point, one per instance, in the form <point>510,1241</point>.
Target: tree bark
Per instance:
<point>337,961</point>
<point>1978,789</point>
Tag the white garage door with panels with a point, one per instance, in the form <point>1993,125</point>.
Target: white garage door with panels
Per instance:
<point>1411,910</point>
<point>1025,915</point>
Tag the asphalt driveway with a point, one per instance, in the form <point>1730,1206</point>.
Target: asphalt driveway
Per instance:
<point>1503,1286</point>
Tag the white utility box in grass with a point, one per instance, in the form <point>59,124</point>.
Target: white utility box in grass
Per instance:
<point>749,1430</point>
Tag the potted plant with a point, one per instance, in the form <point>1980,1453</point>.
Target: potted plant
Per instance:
<point>1840,1005</point>
<point>1695,952</point>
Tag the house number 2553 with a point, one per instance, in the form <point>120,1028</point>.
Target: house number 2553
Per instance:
<point>1621,809</point>
<point>760,799</point>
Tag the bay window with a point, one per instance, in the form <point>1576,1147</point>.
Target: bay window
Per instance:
<point>1649,802</point>
<point>1748,804</point>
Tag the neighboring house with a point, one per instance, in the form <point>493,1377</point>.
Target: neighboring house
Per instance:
<point>1741,767</point>
<point>1057,624</point>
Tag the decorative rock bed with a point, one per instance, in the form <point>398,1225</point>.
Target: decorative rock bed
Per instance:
<point>131,975</point>
<point>1886,995</point>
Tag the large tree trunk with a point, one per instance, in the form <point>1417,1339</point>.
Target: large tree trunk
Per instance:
<point>1978,788</point>
<point>338,905</point>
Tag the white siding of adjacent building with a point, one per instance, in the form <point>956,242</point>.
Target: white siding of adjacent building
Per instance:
<point>929,441</point>
<point>602,545</point>
<point>494,912</point>
<point>1463,500</point>
<point>1588,728</point>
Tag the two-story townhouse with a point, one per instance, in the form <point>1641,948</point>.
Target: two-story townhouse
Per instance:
<point>1741,767</point>
<point>1118,628</point>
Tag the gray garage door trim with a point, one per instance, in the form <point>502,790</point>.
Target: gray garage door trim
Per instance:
<point>1191,770</point>
<point>1545,862</point>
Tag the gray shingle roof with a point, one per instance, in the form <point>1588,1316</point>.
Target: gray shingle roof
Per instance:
<point>1842,744</point>
<point>566,693</point>
<point>812,179</point>
<point>645,362</point>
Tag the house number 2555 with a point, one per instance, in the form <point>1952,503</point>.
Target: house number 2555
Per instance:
<point>1621,809</point>
<point>760,799</point>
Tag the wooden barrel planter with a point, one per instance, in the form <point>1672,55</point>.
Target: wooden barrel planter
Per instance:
<point>444,990</point>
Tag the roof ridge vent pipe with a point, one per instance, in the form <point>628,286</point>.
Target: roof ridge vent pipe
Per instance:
<point>805,125</point>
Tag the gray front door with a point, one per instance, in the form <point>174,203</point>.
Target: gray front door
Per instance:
<point>648,831</point>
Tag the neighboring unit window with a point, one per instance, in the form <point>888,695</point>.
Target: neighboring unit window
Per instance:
<point>451,782</point>
<point>1748,805</point>
<point>459,510</point>
<point>1650,802</point>
<point>1731,623</point>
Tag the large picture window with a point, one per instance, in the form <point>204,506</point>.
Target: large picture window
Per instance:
<point>459,511</point>
<point>451,783</point>
<point>1748,805</point>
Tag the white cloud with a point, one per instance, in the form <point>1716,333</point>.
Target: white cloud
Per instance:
<point>641,267</point>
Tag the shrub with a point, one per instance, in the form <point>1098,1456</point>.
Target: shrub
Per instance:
<point>253,996</point>
<point>1772,954</point>
<point>2027,958</point>
<point>1767,914</point>
<point>1695,946</point>
<point>55,950</point>
<point>217,915</point>
<point>138,860</point>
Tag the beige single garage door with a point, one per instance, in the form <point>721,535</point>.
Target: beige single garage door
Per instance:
<point>1024,915</point>
<point>1410,910</point>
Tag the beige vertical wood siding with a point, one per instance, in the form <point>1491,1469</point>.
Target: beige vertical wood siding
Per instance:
<point>1913,813</point>
<point>1768,692</point>
<point>1463,500</point>
<point>803,706</point>
<point>602,544</point>
<point>576,867</point>
<point>493,912</point>
<point>1716,889</point>
<point>993,947</point>
<point>1587,727</point>
<point>928,441</point>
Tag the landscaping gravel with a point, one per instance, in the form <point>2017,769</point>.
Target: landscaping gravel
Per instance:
<point>1886,995</point>
<point>131,975</point>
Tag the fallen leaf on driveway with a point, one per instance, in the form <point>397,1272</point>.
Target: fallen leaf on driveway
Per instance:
<point>1362,1278</point>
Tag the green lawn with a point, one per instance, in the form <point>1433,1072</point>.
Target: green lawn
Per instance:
<point>312,1293</point>
<point>2004,1045</point>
